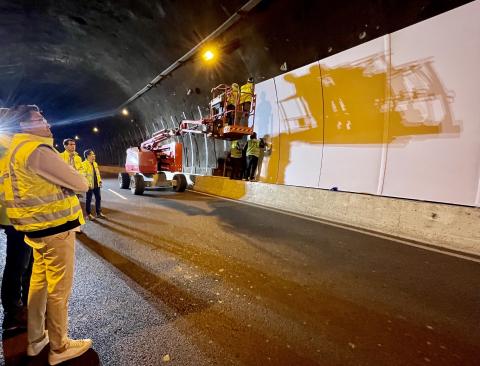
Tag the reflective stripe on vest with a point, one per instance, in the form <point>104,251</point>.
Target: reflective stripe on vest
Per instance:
<point>32,202</point>
<point>253,148</point>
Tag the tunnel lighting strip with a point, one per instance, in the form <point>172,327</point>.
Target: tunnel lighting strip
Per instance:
<point>227,24</point>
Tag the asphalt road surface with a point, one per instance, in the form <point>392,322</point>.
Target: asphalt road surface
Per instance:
<point>187,279</point>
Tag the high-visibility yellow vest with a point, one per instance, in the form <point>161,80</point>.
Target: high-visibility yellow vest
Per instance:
<point>233,96</point>
<point>88,172</point>
<point>246,92</point>
<point>253,147</point>
<point>235,151</point>
<point>77,160</point>
<point>4,143</point>
<point>3,216</point>
<point>32,202</point>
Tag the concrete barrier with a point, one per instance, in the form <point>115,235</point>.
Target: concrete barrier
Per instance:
<point>450,227</point>
<point>108,169</point>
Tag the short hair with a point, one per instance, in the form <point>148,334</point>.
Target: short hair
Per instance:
<point>87,152</point>
<point>12,117</point>
<point>253,136</point>
<point>67,141</point>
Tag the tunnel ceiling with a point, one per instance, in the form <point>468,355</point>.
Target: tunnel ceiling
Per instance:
<point>77,59</point>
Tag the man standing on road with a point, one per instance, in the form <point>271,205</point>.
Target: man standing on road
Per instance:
<point>91,171</point>
<point>39,197</point>
<point>253,152</point>
<point>19,260</point>
<point>236,159</point>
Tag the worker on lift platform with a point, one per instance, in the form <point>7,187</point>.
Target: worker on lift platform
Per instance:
<point>246,97</point>
<point>232,102</point>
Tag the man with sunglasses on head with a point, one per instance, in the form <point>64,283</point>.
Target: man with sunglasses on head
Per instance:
<point>38,191</point>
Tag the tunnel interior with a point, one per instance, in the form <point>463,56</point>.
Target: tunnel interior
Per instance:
<point>80,60</point>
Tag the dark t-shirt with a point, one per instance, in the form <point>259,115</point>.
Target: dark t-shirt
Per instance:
<point>95,180</point>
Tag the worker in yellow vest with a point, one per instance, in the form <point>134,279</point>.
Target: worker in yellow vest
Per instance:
<point>246,97</point>
<point>39,196</point>
<point>90,169</point>
<point>253,153</point>
<point>18,261</point>
<point>232,102</point>
<point>236,159</point>
<point>70,156</point>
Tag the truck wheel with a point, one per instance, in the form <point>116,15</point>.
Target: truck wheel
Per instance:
<point>123,180</point>
<point>181,183</point>
<point>137,184</point>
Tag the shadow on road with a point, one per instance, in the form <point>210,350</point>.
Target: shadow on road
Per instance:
<point>180,301</point>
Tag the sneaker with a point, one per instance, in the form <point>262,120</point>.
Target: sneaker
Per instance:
<point>34,349</point>
<point>73,348</point>
<point>91,217</point>
<point>101,215</point>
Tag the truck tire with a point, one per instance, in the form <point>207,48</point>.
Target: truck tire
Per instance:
<point>181,183</point>
<point>123,180</point>
<point>137,184</point>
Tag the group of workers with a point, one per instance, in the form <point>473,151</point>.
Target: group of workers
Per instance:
<point>89,168</point>
<point>244,157</point>
<point>238,103</point>
<point>41,213</point>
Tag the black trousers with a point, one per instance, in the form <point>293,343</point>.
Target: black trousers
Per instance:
<point>252,162</point>
<point>236,168</point>
<point>231,115</point>
<point>17,271</point>
<point>88,201</point>
<point>245,113</point>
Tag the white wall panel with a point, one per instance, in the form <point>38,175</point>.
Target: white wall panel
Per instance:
<point>434,129</point>
<point>299,96</point>
<point>267,127</point>
<point>354,90</point>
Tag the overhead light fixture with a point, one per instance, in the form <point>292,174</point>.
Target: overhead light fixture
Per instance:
<point>209,54</point>
<point>95,129</point>
<point>125,112</point>
<point>196,51</point>
<point>76,137</point>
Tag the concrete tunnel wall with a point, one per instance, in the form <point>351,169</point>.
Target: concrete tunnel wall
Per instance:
<point>80,59</point>
<point>255,46</point>
<point>392,116</point>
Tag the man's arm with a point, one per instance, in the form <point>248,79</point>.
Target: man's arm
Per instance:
<point>49,165</point>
